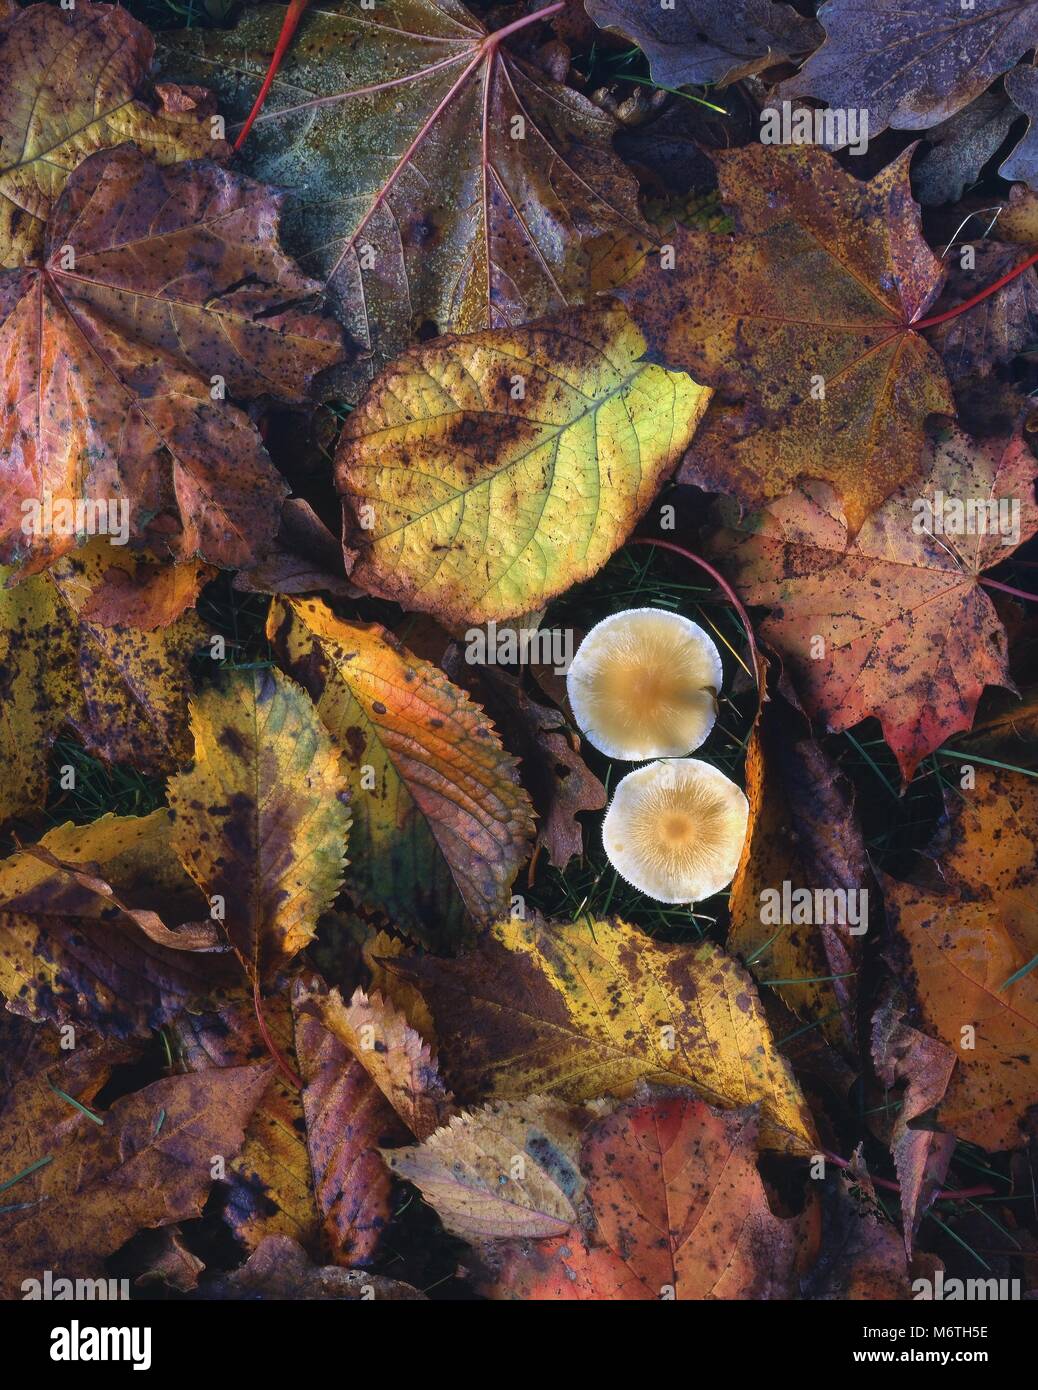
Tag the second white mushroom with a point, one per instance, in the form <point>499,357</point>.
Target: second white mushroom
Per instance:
<point>675,830</point>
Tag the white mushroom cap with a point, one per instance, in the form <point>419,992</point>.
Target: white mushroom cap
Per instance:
<point>675,830</point>
<point>644,683</point>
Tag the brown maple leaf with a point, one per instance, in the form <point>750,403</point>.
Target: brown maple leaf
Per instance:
<point>911,65</point>
<point>971,951</point>
<point>159,292</point>
<point>894,623</point>
<point>677,1211</point>
<point>807,321</point>
<point>69,85</point>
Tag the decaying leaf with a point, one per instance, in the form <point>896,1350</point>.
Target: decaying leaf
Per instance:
<point>148,1164</point>
<point>169,1263</point>
<point>678,1211</point>
<point>278,1269</point>
<point>912,65</point>
<point>347,1119</point>
<point>70,954</point>
<point>159,292</point>
<point>483,475</point>
<point>804,322</point>
<point>441,825</point>
<point>437,178</point>
<point>560,783</point>
<point>861,1255</point>
<point>1006,323</point>
<point>709,41</point>
<point>379,952</point>
<point>576,1011</point>
<point>1006,728</point>
<point>921,1154</point>
<point>269,1183</point>
<point>69,87</point>
<point>907,632</point>
<point>957,149</point>
<point>259,820</point>
<point>309,1169</point>
<point>803,833</point>
<point>142,593</point>
<point>396,1058</point>
<point>507,1170</point>
<point>970,950</point>
<point>121,690</point>
<point>305,557</point>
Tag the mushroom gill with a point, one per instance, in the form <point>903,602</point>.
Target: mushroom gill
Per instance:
<point>675,830</point>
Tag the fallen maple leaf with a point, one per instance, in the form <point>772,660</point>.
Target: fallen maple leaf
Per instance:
<point>147,1163</point>
<point>258,820</point>
<point>122,691</point>
<point>159,292</point>
<point>1003,325</point>
<point>678,1211</point>
<point>483,475</point>
<point>907,632</point>
<point>441,824</point>
<point>71,954</point>
<point>802,831</point>
<point>957,149</point>
<point>508,1169</point>
<point>437,177</point>
<point>807,322</point>
<point>69,87</point>
<point>972,952</point>
<point>574,1011</point>
<point>911,65</point>
<point>709,41</point>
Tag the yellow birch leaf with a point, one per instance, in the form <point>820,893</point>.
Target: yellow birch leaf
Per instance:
<point>584,1009</point>
<point>441,824</point>
<point>482,475</point>
<point>258,819</point>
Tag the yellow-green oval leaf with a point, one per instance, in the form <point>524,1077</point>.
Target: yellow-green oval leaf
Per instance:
<point>482,475</point>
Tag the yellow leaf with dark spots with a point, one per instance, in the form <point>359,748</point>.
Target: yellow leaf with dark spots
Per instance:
<point>584,1009</point>
<point>122,690</point>
<point>259,820</point>
<point>70,87</point>
<point>483,475</point>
